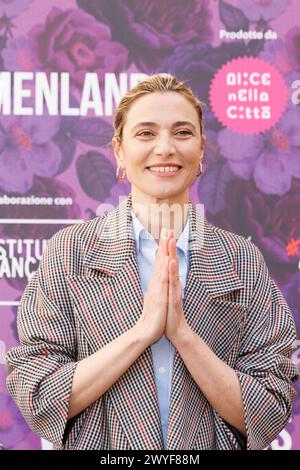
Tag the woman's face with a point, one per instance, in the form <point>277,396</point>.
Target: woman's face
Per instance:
<point>155,134</point>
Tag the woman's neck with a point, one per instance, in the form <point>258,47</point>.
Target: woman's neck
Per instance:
<point>155,213</point>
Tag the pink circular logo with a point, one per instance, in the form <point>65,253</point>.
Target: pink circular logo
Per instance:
<point>248,95</point>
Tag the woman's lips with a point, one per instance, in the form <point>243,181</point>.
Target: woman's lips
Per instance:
<point>164,173</point>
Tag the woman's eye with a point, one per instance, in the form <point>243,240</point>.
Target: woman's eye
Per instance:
<point>144,132</point>
<point>148,132</point>
<point>185,132</point>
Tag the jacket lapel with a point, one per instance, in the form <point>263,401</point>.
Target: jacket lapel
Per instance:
<point>109,301</point>
<point>211,278</point>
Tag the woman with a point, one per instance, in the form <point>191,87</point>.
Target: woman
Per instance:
<point>132,338</point>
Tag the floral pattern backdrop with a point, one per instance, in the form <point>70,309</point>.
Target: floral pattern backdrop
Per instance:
<point>250,184</point>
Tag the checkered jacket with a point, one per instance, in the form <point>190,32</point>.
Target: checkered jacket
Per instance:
<point>87,291</point>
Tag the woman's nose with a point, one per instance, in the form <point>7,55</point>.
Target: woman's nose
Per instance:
<point>164,144</point>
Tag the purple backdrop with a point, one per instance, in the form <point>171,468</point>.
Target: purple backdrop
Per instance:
<point>64,67</point>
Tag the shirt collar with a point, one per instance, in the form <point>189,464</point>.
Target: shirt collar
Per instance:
<point>141,234</point>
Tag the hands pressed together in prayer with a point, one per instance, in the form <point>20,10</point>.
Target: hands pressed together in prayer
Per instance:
<point>175,314</point>
<point>163,307</point>
<point>163,315</point>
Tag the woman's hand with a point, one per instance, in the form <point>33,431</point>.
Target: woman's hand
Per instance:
<point>153,319</point>
<point>175,315</point>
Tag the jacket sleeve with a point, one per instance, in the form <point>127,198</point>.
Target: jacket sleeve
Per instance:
<point>264,365</point>
<point>40,370</point>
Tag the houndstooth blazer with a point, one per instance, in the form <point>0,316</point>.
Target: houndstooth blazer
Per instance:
<point>87,291</point>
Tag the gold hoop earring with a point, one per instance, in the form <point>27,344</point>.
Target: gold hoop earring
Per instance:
<point>201,171</point>
<point>118,173</point>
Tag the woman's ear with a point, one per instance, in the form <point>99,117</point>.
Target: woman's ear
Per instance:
<point>203,145</point>
<point>116,147</point>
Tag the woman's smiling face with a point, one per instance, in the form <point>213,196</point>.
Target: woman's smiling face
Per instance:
<point>161,128</point>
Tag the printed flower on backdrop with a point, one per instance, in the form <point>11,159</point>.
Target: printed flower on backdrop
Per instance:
<point>291,292</point>
<point>272,222</point>
<point>296,413</point>
<point>151,31</point>
<point>263,9</point>
<point>93,167</point>
<point>9,9</point>
<point>13,324</point>
<point>18,55</point>
<point>293,46</point>
<point>93,131</point>
<point>216,177</point>
<point>13,427</point>
<point>12,8</point>
<point>26,150</point>
<point>117,193</point>
<point>66,207</point>
<point>272,158</point>
<point>73,41</point>
<point>276,53</point>
<point>189,62</point>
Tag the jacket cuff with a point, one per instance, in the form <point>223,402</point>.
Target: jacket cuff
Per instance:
<point>46,407</point>
<point>265,416</point>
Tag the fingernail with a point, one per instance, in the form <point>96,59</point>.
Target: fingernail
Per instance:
<point>164,232</point>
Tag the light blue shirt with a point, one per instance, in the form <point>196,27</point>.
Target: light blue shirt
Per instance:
<point>162,349</point>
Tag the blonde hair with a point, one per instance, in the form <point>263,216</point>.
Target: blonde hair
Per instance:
<point>151,84</point>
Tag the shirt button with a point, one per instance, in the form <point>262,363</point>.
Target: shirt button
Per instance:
<point>162,370</point>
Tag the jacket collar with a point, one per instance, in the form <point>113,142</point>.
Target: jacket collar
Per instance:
<point>141,233</point>
<point>209,261</point>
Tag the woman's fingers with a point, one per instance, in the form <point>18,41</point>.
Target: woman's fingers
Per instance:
<point>159,254</point>
<point>173,247</point>
<point>165,274</point>
<point>165,247</point>
<point>166,257</point>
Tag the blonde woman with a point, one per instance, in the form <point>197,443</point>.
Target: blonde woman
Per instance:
<point>132,338</point>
